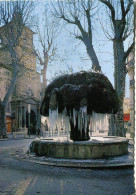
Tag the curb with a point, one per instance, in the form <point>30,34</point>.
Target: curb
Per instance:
<point>16,138</point>
<point>73,163</point>
<point>78,165</point>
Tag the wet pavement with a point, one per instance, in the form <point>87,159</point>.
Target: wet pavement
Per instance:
<point>18,177</point>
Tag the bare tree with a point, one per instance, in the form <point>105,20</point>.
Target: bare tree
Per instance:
<point>120,13</point>
<point>79,14</point>
<point>14,17</point>
<point>46,37</point>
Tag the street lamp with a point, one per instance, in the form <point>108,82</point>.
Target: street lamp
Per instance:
<point>29,111</point>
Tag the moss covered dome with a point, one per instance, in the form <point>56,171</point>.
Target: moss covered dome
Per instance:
<point>90,89</point>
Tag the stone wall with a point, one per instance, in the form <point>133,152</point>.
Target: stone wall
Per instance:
<point>130,68</point>
<point>28,84</point>
<point>5,78</point>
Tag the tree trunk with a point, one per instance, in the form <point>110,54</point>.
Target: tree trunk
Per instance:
<point>4,103</point>
<point>119,78</point>
<point>95,63</point>
<point>44,85</point>
<point>112,128</point>
<point>76,134</point>
<point>91,52</point>
<point>2,120</point>
<point>44,77</point>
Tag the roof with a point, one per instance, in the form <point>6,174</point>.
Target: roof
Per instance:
<point>24,27</point>
<point>25,99</point>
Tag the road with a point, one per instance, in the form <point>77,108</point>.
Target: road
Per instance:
<point>18,177</point>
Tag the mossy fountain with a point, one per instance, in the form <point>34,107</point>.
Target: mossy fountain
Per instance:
<point>78,100</point>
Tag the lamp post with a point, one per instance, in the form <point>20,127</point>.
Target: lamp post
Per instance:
<point>29,111</point>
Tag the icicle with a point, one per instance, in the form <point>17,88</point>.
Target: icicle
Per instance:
<point>74,116</point>
<point>57,111</point>
<point>97,122</point>
<point>53,120</point>
<point>100,122</point>
<point>86,122</point>
<point>67,127</point>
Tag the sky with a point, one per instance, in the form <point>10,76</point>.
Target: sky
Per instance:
<point>74,51</point>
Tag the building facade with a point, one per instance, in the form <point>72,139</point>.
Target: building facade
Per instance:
<point>130,68</point>
<point>27,89</point>
<point>126,112</point>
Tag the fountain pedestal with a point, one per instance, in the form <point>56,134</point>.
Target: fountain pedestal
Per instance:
<point>97,147</point>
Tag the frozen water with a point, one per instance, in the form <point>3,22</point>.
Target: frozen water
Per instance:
<point>59,124</point>
<point>99,122</point>
<point>74,116</point>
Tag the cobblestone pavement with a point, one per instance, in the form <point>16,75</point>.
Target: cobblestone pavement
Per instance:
<point>19,177</point>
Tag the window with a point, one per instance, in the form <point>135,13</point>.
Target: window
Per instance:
<point>8,108</point>
<point>131,83</point>
<point>0,43</point>
<point>7,73</point>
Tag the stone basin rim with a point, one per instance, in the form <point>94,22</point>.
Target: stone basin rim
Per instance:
<point>80,150</point>
<point>113,140</point>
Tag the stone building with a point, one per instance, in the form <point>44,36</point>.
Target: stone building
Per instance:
<point>126,112</point>
<point>130,68</point>
<point>28,85</point>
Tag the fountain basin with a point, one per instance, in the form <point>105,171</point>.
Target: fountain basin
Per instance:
<point>96,147</point>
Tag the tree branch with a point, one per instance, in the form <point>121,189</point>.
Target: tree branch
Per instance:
<point>109,5</point>
<point>67,20</point>
<point>128,7</point>
<point>89,24</point>
<point>39,57</point>
<point>79,37</point>
<point>124,13</point>
<point>122,9</point>
<point>53,52</point>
